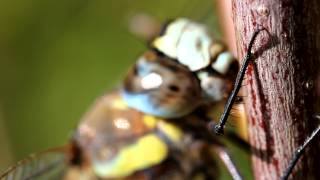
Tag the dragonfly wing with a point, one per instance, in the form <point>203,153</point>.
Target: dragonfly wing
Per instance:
<point>50,165</point>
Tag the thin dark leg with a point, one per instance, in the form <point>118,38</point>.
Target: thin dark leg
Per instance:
<point>245,62</point>
<point>299,153</point>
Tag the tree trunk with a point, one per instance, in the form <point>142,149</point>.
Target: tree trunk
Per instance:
<point>281,93</point>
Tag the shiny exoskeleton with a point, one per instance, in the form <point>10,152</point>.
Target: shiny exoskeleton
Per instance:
<point>124,137</point>
<point>114,141</point>
<point>185,69</point>
<point>121,142</point>
<point>162,83</point>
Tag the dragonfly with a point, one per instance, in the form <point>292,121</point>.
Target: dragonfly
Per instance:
<point>155,113</point>
<point>185,65</point>
<point>114,141</point>
<point>187,69</point>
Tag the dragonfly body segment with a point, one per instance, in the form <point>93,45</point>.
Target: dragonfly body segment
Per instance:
<point>114,141</point>
<point>120,141</point>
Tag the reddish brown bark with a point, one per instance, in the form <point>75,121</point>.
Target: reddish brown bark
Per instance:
<point>280,101</point>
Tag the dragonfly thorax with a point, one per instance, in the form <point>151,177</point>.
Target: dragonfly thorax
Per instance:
<point>191,44</point>
<point>118,140</point>
<point>186,41</point>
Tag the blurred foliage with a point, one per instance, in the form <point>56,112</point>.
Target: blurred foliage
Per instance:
<point>56,57</point>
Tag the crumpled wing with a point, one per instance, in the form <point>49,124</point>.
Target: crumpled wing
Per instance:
<point>47,165</point>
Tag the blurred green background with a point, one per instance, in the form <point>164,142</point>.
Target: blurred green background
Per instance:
<point>56,57</point>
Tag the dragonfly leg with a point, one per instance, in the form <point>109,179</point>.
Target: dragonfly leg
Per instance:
<point>299,152</point>
<point>225,157</point>
<point>219,128</point>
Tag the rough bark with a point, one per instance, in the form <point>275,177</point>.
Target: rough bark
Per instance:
<point>281,96</point>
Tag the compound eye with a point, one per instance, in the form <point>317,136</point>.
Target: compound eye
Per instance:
<point>162,87</point>
<point>145,75</point>
<point>132,81</point>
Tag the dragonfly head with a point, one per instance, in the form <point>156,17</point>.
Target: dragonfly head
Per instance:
<point>160,86</point>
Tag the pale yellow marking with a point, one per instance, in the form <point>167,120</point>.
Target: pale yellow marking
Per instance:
<point>172,131</point>
<point>119,104</point>
<point>148,151</point>
<point>150,121</point>
<point>242,125</point>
